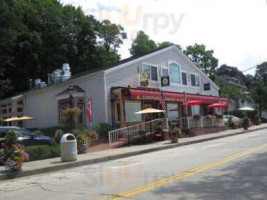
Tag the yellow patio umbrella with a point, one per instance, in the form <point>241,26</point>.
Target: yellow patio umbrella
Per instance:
<point>25,118</point>
<point>11,119</point>
<point>149,110</point>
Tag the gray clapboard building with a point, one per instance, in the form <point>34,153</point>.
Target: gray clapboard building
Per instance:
<point>116,91</point>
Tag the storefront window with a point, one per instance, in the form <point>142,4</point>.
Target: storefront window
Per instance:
<point>173,111</point>
<point>130,108</point>
<point>195,110</point>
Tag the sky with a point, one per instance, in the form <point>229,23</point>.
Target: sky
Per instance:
<point>235,29</point>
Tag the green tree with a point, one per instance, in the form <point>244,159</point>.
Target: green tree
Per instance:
<point>165,44</point>
<point>203,58</point>
<point>261,72</point>
<point>258,93</point>
<point>142,44</point>
<point>112,36</point>
<point>36,37</point>
<point>229,91</point>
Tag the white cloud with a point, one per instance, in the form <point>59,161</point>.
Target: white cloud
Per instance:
<point>235,30</point>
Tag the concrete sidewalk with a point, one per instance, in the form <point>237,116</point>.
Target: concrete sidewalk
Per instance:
<point>49,165</point>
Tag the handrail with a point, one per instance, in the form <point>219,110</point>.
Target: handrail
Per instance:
<point>124,135</point>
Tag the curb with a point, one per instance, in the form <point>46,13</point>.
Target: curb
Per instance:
<point>114,157</point>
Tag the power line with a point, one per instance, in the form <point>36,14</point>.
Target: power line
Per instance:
<point>249,69</point>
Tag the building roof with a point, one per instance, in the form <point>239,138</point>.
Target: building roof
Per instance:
<point>76,88</point>
<point>116,65</point>
<point>123,61</point>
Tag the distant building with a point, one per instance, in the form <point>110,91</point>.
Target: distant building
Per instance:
<point>231,75</point>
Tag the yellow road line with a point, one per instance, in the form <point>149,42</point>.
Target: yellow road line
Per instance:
<point>185,174</point>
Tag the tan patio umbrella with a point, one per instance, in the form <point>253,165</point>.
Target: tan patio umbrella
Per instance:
<point>149,110</point>
<point>25,118</point>
<point>11,119</point>
<point>246,108</point>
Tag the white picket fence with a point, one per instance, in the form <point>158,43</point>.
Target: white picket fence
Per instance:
<point>203,122</point>
<point>125,135</point>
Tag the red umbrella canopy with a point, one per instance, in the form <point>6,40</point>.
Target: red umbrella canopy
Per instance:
<point>217,105</point>
<point>192,103</point>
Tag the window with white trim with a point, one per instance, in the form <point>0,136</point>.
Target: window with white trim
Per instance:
<point>184,78</point>
<point>150,71</point>
<point>174,71</point>
<point>195,80</point>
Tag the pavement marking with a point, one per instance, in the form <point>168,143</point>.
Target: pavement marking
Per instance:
<point>213,145</point>
<point>183,175</point>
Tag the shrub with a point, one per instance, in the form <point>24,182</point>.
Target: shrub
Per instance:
<point>102,130</point>
<point>43,152</point>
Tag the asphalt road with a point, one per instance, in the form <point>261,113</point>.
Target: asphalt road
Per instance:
<point>227,168</point>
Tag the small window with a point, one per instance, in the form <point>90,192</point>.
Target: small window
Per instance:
<point>151,72</point>
<point>184,78</point>
<point>195,80</point>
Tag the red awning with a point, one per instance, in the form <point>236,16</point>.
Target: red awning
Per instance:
<point>145,95</point>
<point>217,105</point>
<point>178,97</point>
<point>168,96</point>
<point>192,103</point>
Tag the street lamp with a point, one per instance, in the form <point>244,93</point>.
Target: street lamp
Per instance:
<point>70,90</point>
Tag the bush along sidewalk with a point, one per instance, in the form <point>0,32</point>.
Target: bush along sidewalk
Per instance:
<point>41,152</point>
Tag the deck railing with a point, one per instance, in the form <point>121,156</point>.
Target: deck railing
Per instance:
<point>124,135</point>
<point>202,122</point>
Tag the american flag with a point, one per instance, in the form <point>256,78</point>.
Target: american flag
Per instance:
<point>89,110</point>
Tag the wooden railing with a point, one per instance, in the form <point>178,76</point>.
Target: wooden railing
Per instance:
<point>125,135</point>
<point>202,122</point>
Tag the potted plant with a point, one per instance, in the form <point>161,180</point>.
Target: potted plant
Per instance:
<point>245,123</point>
<point>175,135</point>
<point>12,155</point>
<point>83,140</point>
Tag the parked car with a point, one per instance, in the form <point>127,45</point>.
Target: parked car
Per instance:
<point>25,137</point>
<point>233,118</point>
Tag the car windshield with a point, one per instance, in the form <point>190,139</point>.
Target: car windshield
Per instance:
<point>23,132</point>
